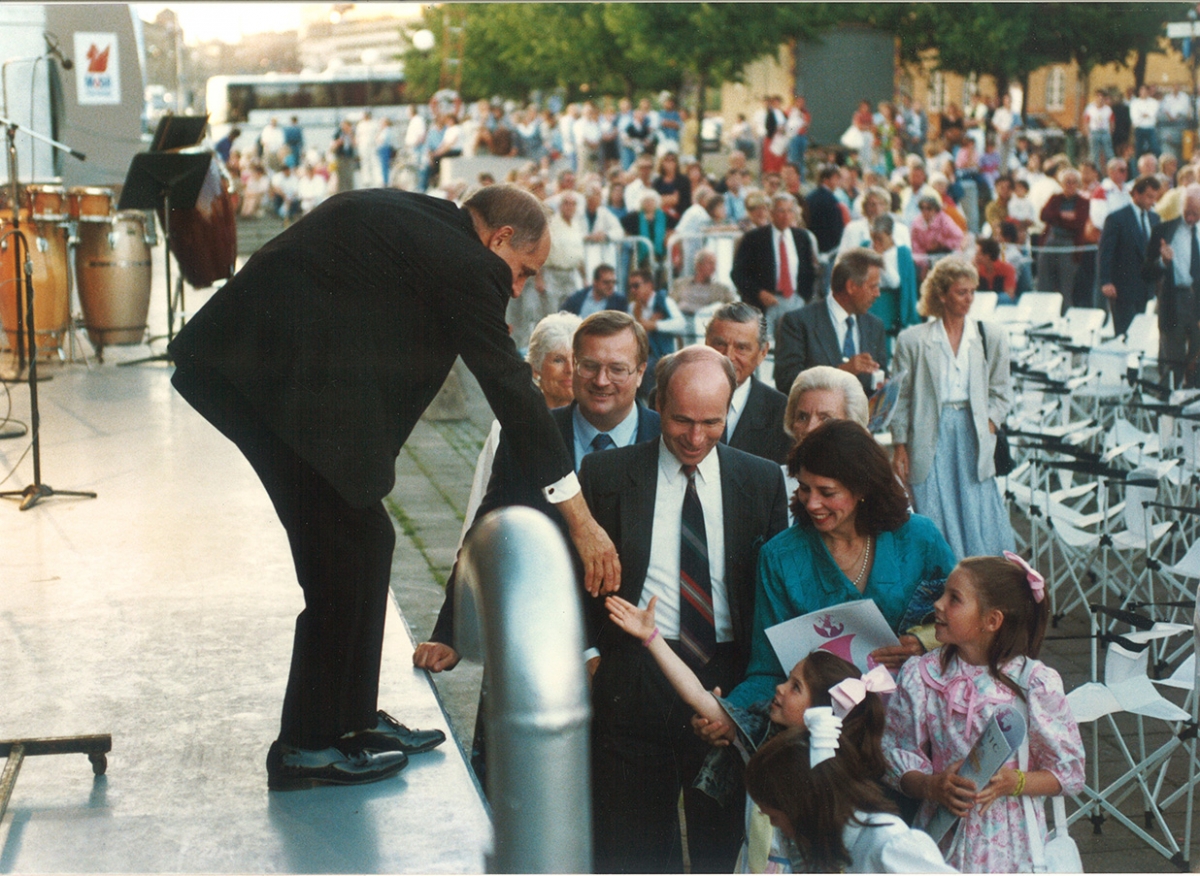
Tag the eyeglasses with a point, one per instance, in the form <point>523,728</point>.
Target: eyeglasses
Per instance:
<point>618,372</point>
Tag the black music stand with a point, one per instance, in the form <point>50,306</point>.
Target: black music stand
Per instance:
<point>178,132</point>
<point>167,180</point>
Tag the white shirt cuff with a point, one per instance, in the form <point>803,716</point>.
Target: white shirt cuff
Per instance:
<point>563,489</point>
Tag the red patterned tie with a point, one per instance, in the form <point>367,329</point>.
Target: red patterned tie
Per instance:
<point>785,271</point>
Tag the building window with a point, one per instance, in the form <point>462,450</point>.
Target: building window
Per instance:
<point>937,91</point>
<point>1056,89</point>
<point>970,87</point>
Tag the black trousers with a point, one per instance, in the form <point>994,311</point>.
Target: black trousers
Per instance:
<point>643,754</point>
<point>343,559</point>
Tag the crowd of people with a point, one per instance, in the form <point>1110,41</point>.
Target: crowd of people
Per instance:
<point>735,506</point>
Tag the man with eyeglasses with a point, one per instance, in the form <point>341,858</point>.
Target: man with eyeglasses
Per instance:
<point>688,523</point>
<point>610,350</point>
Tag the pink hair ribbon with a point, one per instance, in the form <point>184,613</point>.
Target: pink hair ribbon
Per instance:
<point>1037,584</point>
<point>849,692</point>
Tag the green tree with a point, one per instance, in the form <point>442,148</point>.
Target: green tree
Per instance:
<point>668,44</point>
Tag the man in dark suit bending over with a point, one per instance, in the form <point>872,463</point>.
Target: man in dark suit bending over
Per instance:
<point>316,360</point>
<point>836,330</point>
<point>689,515</point>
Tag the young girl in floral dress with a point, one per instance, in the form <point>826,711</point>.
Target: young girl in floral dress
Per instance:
<point>990,621</point>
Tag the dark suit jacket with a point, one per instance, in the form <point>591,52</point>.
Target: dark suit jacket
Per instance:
<point>806,337</point>
<point>760,428</point>
<point>754,265</point>
<point>1122,252</point>
<point>1176,304</point>
<point>574,302</point>
<point>509,485</point>
<point>620,488</point>
<point>825,218</point>
<point>341,330</point>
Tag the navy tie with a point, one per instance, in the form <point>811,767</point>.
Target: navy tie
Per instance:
<point>848,350</point>
<point>603,441</point>
<point>697,630</point>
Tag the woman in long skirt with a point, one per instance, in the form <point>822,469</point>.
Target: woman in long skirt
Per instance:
<point>955,392</point>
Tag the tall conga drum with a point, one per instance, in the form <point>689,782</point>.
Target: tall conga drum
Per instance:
<point>52,302</point>
<point>51,291</point>
<point>112,269</point>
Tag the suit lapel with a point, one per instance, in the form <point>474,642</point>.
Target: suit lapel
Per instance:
<point>638,492</point>
<point>826,333</point>
<point>735,499</point>
<point>751,414</point>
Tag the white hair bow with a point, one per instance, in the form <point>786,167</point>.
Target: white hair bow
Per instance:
<point>824,728</point>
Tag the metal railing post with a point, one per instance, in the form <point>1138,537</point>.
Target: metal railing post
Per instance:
<point>519,582</point>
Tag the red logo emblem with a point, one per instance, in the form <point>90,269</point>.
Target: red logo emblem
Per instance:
<point>97,60</point>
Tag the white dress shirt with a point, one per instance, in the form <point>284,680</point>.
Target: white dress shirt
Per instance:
<point>954,377</point>
<point>662,576</point>
<point>1181,244</point>
<point>839,315</point>
<point>737,405</point>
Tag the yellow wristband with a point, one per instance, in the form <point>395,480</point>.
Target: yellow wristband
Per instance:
<point>1020,784</point>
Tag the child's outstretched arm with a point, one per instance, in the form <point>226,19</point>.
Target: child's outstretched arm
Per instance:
<point>639,623</point>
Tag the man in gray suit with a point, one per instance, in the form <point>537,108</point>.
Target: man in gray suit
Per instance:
<point>836,330</point>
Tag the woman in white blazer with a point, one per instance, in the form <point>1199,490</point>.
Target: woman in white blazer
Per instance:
<point>954,392</point>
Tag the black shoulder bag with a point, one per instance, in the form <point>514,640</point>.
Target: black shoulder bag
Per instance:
<point>1003,458</point>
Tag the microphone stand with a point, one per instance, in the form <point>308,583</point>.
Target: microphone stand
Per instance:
<point>37,490</point>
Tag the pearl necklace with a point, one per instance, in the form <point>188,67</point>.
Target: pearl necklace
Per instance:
<point>866,559</point>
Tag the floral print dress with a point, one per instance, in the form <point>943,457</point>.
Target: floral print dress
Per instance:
<point>934,718</point>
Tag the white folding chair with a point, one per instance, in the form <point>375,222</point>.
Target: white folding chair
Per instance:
<point>1128,689</point>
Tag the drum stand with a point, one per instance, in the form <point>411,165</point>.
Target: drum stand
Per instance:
<point>37,490</point>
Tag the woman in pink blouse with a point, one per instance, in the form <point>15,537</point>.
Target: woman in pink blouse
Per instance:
<point>933,232</point>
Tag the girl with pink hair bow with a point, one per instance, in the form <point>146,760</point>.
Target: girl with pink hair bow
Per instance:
<point>990,620</point>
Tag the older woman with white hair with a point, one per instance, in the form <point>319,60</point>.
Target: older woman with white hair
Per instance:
<point>954,393</point>
<point>819,394</point>
<point>551,358</point>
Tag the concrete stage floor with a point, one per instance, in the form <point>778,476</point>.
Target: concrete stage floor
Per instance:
<point>162,612</point>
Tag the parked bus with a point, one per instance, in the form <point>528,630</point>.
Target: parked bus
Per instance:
<point>319,100</point>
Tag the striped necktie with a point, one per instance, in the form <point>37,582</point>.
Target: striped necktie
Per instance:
<point>697,632</point>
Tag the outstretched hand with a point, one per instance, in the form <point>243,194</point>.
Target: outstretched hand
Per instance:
<point>638,622</point>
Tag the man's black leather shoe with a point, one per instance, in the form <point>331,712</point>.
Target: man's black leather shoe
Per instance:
<point>294,769</point>
<point>388,734</point>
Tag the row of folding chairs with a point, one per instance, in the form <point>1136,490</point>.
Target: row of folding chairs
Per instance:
<point>1104,499</point>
